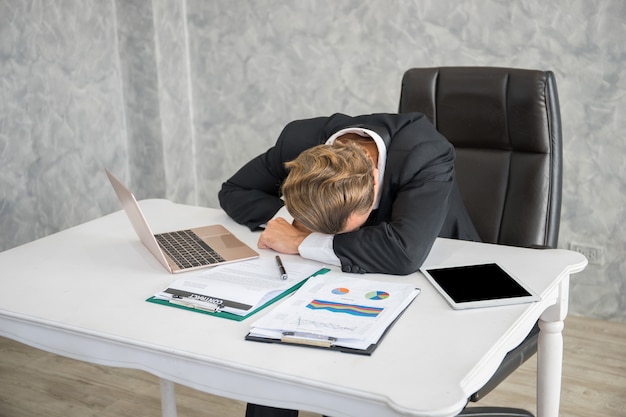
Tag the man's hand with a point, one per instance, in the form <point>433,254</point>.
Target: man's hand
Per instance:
<point>282,236</point>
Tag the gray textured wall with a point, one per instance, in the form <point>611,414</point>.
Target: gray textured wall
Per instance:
<point>174,95</point>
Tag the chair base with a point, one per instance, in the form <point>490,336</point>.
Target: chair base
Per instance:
<point>495,412</point>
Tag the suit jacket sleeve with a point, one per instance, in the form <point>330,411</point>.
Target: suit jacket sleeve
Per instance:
<point>252,195</point>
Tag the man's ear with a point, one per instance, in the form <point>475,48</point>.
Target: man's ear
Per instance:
<point>375,173</point>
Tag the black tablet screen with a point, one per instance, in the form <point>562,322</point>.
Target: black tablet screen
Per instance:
<point>477,282</point>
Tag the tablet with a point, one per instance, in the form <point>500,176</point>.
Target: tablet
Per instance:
<point>482,285</point>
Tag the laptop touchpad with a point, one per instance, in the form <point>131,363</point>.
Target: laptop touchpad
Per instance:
<point>223,241</point>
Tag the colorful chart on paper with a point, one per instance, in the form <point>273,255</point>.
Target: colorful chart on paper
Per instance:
<point>377,295</point>
<point>352,309</point>
<point>340,291</point>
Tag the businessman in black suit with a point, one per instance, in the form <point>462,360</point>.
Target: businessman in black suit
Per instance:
<point>367,193</point>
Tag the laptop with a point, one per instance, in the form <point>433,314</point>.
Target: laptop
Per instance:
<point>183,250</point>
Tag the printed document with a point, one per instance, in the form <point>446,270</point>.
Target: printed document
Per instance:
<point>238,288</point>
<point>346,311</point>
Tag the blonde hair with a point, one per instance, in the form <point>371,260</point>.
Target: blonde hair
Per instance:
<point>327,184</point>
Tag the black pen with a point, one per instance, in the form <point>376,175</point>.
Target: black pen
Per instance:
<point>281,268</point>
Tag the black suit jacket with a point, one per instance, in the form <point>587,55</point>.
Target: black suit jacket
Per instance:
<point>420,199</point>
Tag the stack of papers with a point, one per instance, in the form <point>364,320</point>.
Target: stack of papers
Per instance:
<point>333,310</point>
<point>240,288</point>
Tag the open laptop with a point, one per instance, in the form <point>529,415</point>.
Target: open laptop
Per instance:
<point>183,250</point>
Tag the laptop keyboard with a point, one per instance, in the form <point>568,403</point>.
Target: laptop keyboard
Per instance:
<point>187,249</point>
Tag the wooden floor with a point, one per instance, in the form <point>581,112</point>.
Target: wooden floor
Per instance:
<point>36,383</point>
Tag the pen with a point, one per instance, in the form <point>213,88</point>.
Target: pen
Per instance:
<point>281,268</point>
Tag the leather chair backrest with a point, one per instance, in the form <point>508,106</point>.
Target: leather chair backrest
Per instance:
<point>505,126</point>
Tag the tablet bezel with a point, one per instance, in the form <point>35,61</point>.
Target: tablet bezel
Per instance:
<point>532,297</point>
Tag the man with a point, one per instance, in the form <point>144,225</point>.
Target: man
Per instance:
<point>367,193</point>
<point>416,194</point>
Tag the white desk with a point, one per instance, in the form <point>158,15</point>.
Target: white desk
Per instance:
<point>90,306</point>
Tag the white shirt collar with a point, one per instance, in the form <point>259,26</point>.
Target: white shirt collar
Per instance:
<point>382,152</point>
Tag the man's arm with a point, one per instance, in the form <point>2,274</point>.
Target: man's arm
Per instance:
<point>249,206</point>
<point>282,236</point>
<point>252,195</point>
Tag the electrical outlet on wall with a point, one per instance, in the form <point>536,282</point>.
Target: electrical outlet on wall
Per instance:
<point>593,253</point>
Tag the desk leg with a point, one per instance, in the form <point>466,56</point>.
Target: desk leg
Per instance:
<point>549,368</point>
<point>168,399</point>
<point>550,355</point>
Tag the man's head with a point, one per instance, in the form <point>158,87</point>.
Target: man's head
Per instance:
<point>331,188</point>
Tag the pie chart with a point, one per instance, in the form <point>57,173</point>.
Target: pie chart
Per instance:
<point>377,295</point>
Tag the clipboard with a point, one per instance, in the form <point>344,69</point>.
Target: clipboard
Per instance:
<point>322,342</point>
<point>231,316</point>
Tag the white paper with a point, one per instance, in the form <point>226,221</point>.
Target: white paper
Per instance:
<point>241,287</point>
<point>354,311</point>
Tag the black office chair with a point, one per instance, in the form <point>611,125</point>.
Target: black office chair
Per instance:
<point>506,129</point>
